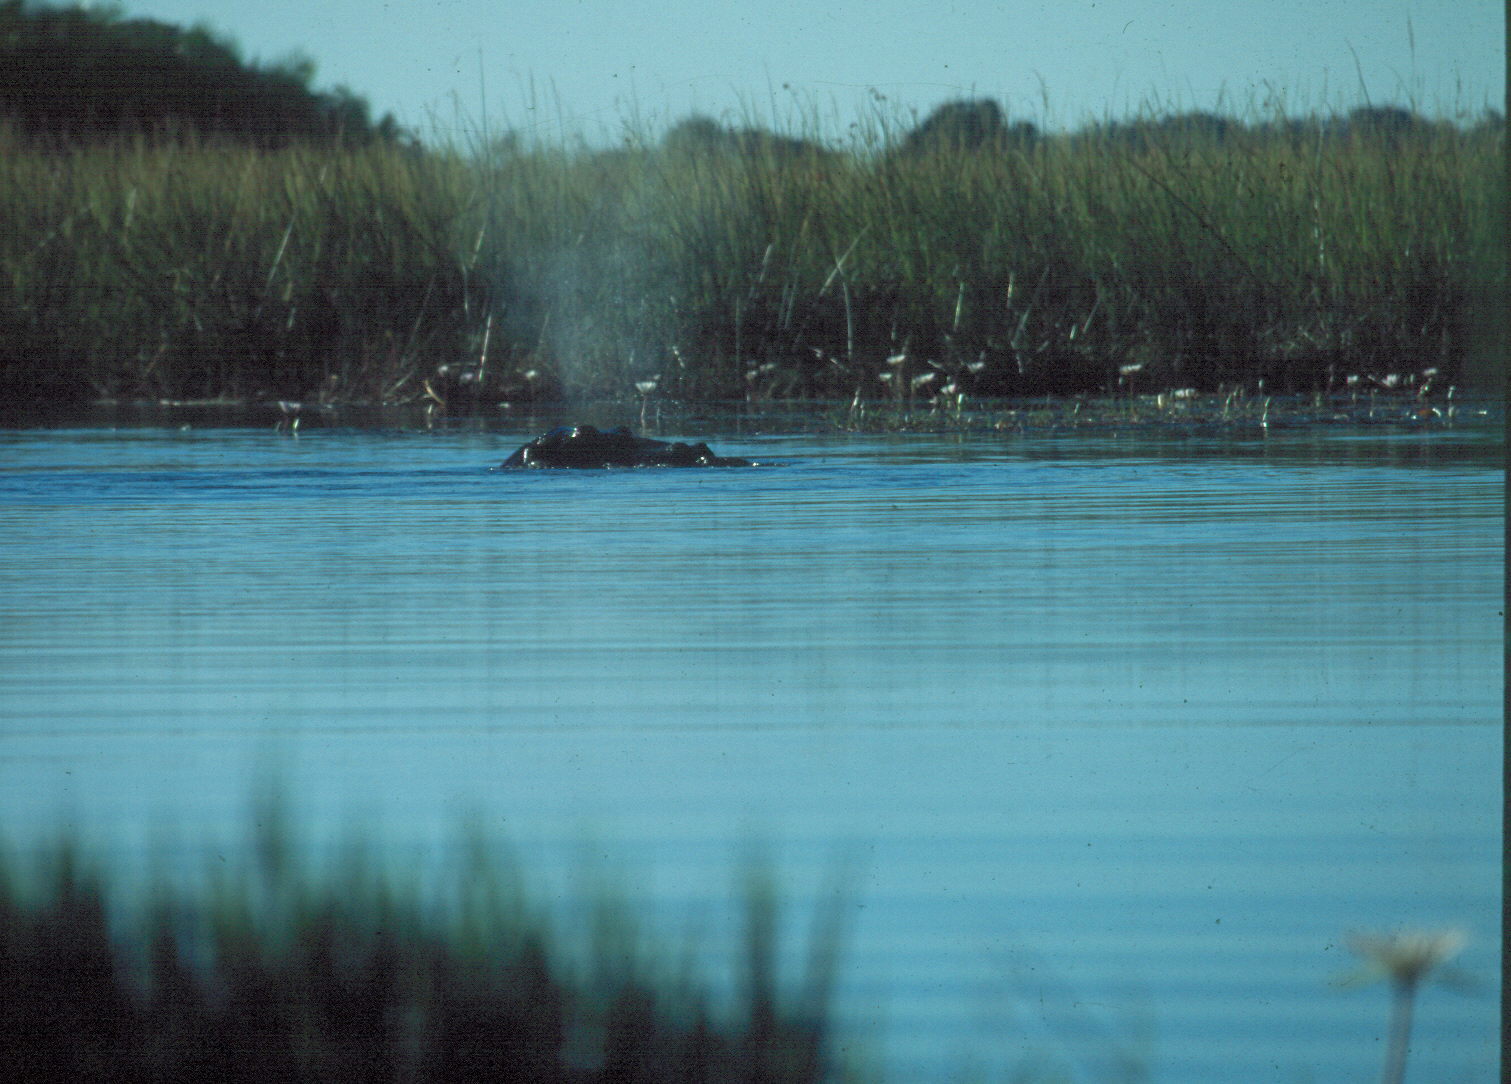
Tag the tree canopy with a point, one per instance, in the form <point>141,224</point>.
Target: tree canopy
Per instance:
<point>79,73</point>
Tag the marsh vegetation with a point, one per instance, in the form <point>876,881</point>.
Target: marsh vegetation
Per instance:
<point>276,968</point>
<point>723,262</point>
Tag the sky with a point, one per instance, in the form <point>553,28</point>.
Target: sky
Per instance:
<point>594,69</point>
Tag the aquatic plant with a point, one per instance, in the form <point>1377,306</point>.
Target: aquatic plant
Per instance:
<point>731,262</point>
<point>279,969</point>
<point>203,270</point>
<point>1405,958</point>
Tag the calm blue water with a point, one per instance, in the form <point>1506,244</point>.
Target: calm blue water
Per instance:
<point>1117,738</point>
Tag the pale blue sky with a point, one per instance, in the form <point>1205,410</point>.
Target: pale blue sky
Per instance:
<point>592,65</point>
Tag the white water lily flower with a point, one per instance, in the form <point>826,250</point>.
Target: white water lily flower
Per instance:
<point>1405,957</point>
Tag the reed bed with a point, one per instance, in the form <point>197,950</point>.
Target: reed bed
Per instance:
<point>201,271</point>
<point>736,264</point>
<point>274,970</point>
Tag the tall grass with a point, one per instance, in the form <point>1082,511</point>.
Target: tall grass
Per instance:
<point>738,264</point>
<point>275,970</point>
<point>211,270</point>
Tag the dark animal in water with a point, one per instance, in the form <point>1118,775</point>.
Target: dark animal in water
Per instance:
<point>584,446</point>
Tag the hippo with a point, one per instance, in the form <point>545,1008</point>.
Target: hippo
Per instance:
<point>584,446</point>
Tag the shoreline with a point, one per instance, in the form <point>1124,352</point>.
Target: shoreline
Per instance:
<point>1215,414</point>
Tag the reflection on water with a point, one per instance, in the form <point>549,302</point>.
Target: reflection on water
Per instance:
<point>1122,737</point>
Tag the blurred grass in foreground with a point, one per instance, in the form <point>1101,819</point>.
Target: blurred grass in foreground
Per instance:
<point>271,970</point>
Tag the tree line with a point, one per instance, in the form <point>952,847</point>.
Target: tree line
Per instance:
<point>70,74</point>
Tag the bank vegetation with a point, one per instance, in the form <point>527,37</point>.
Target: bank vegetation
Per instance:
<point>715,262</point>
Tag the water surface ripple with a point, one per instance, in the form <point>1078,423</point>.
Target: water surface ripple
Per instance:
<point>1118,738</point>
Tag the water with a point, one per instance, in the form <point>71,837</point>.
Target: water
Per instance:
<point>1112,740</point>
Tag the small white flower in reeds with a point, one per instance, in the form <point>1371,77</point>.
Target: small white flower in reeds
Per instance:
<point>645,387</point>
<point>897,359</point>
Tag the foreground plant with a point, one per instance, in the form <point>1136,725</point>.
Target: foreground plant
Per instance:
<point>278,969</point>
<point>1405,958</point>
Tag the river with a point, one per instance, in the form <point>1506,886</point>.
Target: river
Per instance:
<point>1113,739</point>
